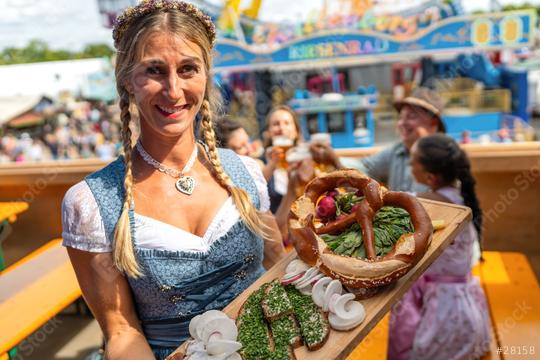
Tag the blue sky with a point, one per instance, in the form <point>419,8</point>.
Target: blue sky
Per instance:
<point>72,24</point>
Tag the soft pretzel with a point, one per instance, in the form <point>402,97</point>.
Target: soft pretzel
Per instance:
<point>351,271</point>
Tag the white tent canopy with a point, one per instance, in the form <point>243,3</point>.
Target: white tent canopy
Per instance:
<point>12,106</point>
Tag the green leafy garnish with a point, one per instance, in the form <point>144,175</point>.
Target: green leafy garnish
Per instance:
<point>345,202</point>
<point>388,225</point>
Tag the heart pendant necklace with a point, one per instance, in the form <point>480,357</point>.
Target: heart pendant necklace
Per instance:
<point>185,183</point>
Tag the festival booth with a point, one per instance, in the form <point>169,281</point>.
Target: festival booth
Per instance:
<point>353,40</point>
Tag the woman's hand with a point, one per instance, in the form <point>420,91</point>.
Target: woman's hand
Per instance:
<point>324,154</point>
<point>107,293</point>
<point>273,156</point>
<point>273,243</point>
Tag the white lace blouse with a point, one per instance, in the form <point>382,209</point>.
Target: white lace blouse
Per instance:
<point>83,227</point>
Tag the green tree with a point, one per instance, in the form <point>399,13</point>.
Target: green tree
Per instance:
<point>39,51</point>
<point>97,50</point>
<point>524,6</point>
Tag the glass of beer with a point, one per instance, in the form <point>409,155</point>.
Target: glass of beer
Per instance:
<point>306,172</point>
<point>284,143</point>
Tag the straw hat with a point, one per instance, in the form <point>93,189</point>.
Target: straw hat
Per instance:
<point>426,99</point>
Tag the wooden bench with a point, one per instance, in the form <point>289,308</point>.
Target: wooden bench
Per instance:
<point>33,291</point>
<point>514,301</point>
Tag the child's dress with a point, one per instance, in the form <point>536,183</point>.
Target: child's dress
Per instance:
<point>444,315</point>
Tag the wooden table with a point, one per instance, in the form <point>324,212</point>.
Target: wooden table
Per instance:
<point>341,344</point>
<point>8,214</point>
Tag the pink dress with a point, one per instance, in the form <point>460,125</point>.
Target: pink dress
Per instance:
<point>444,315</point>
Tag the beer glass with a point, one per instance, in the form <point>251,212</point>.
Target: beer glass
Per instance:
<point>306,172</point>
<point>284,143</point>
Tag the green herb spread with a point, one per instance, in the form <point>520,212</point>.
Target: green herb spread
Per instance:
<point>252,328</point>
<point>275,301</point>
<point>312,323</point>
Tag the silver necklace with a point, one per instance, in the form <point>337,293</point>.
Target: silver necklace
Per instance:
<point>185,184</point>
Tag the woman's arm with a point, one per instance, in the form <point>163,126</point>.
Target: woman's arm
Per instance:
<point>108,295</point>
<point>273,244</point>
<point>272,158</point>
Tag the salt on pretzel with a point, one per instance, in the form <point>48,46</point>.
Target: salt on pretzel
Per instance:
<point>351,271</point>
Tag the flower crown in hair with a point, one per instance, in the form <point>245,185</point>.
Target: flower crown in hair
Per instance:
<point>146,7</point>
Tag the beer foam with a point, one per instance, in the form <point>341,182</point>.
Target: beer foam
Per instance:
<point>282,141</point>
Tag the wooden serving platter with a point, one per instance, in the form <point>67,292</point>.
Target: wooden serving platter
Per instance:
<point>341,344</point>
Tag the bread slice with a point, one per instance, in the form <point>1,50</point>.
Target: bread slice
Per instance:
<point>313,322</point>
<point>286,331</point>
<point>253,331</point>
<point>275,303</point>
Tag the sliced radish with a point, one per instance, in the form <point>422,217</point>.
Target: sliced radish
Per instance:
<point>319,289</point>
<point>296,266</point>
<point>332,302</point>
<point>234,356</point>
<point>341,324</point>
<point>195,346</point>
<point>198,355</point>
<point>347,308</point>
<point>287,279</point>
<point>333,288</point>
<point>310,274</point>
<point>216,335</point>
<point>193,327</point>
<point>346,313</point>
<point>306,290</point>
<point>223,347</point>
<point>316,278</point>
<point>225,326</point>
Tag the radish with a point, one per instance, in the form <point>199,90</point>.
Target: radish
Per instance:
<point>223,347</point>
<point>286,280</point>
<point>319,289</point>
<point>334,287</point>
<point>347,313</point>
<point>326,208</point>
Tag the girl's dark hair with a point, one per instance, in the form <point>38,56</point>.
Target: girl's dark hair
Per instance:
<point>224,129</point>
<point>441,155</point>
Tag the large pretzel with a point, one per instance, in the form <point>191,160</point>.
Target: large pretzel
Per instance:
<point>351,271</point>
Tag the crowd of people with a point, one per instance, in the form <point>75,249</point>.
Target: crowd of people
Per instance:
<point>80,130</point>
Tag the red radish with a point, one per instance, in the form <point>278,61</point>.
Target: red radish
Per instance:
<point>326,208</point>
<point>355,207</point>
<point>288,280</point>
<point>316,278</point>
<point>332,193</point>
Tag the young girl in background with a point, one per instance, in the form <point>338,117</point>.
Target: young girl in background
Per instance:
<point>444,315</point>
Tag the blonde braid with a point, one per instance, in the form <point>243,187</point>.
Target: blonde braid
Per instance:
<point>248,213</point>
<point>124,255</point>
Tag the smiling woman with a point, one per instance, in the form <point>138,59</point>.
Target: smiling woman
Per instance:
<point>185,224</point>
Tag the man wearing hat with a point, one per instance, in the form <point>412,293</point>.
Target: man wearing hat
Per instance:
<point>419,115</point>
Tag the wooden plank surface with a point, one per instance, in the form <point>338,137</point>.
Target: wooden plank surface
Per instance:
<point>341,344</point>
<point>514,300</point>
<point>33,304</point>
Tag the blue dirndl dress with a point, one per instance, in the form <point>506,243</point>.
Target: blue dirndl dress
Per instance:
<point>179,285</point>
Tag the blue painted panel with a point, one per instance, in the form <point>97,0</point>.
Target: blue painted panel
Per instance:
<point>477,124</point>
